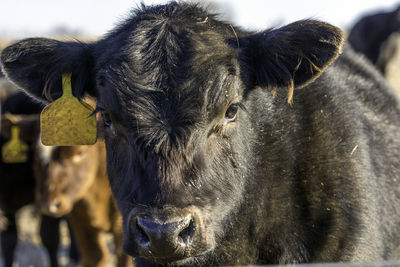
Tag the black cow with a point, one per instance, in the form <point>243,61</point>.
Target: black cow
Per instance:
<point>371,31</point>
<point>17,180</point>
<point>209,163</point>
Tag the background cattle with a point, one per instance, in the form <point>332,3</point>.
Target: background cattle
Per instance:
<point>17,179</point>
<point>72,181</point>
<point>371,31</point>
<point>377,37</point>
<point>389,61</point>
<point>209,163</point>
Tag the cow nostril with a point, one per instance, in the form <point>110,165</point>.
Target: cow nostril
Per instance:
<point>164,237</point>
<point>54,206</point>
<point>57,203</point>
<point>186,235</point>
<point>141,235</point>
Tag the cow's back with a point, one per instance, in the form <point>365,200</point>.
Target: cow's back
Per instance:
<point>351,140</point>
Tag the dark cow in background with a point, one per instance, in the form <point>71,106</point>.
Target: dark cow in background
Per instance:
<point>17,180</point>
<point>371,31</point>
<point>6,89</point>
<point>377,36</point>
<point>209,163</point>
<point>72,181</point>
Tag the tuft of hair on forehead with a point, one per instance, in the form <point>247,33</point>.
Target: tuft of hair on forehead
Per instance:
<point>170,58</point>
<point>160,42</point>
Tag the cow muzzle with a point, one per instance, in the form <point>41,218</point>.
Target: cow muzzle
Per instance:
<point>55,207</point>
<point>166,235</point>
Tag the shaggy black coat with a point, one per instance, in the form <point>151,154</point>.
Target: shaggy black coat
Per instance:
<point>196,117</point>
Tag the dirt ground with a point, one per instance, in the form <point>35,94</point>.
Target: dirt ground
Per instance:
<point>30,252</point>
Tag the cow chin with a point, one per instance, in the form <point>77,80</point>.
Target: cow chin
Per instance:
<point>197,260</point>
<point>189,260</point>
<point>55,208</point>
<point>167,236</point>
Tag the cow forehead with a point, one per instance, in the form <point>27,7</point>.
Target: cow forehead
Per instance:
<point>128,98</point>
<point>163,47</point>
<point>170,63</point>
<point>165,53</point>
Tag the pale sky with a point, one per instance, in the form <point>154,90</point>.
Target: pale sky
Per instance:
<point>27,18</point>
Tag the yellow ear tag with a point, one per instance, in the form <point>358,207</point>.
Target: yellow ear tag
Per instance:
<point>15,150</point>
<point>68,121</point>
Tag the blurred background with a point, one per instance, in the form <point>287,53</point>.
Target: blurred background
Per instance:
<point>92,18</point>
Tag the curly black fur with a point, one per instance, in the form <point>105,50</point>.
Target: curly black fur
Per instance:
<point>308,182</point>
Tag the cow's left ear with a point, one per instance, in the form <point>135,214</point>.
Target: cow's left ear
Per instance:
<point>291,56</point>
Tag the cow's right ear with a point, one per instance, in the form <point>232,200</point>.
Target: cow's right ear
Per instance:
<point>37,64</point>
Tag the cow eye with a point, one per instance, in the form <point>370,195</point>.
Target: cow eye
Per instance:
<point>77,158</point>
<point>107,123</point>
<point>106,119</point>
<point>231,112</point>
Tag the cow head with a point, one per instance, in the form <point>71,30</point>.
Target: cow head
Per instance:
<point>64,175</point>
<point>174,87</point>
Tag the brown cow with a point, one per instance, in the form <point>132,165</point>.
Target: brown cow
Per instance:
<point>72,180</point>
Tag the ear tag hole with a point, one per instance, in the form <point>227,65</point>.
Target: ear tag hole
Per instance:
<point>15,150</point>
<point>68,121</point>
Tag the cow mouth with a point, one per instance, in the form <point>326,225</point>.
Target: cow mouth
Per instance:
<point>168,236</point>
<point>53,214</point>
<point>178,261</point>
<point>49,210</point>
